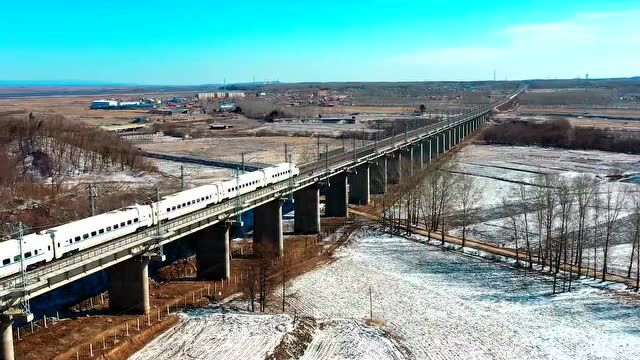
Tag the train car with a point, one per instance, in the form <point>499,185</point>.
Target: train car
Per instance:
<point>184,202</point>
<point>37,248</point>
<point>95,230</point>
<point>243,184</point>
<point>280,172</point>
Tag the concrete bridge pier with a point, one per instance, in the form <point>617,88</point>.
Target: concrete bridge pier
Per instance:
<point>419,159</point>
<point>378,175</point>
<point>406,157</point>
<point>6,326</point>
<point>307,210</point>
<point>267,228</point>
<point>359,190</point>
<point>213,254</point>
<point>429,150</point>
<point>337,199</point>
<point>394,167</point>
<point>129,286</point>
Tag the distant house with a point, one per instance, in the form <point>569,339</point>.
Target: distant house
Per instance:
<point>221,95</point>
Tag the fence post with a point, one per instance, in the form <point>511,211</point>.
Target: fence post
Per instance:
<point>90,349</point>
<point>44,319</point>
<point>127,328</point>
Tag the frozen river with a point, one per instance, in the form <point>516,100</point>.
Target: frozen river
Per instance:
<point>429,304</point>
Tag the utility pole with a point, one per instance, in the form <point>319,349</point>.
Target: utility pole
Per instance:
<point>286,151</point>
<point>370,303</point>
<point>355,151</point>
<point>92,199</point>
<point>318,147</point>
<point>19,230</point>
<point>157,210</point>
<point>284,282</point>
<point>326,159</point>
<point>238,201</point>
<point>242,162</point>
<point>181,177</point>
<point>343,144</point>
<point>290,183</point>
<point>405,132</point>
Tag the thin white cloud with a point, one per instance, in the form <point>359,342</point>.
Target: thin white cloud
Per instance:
<point>604,44</point>
<point>611,14</point>
<point>544,28</point>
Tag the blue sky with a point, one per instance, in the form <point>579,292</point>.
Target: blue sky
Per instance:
<point>195,42</point>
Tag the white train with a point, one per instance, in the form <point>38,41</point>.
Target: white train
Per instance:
<point>60,241</point>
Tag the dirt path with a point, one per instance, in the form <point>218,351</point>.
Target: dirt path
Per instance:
<point>496,250</point>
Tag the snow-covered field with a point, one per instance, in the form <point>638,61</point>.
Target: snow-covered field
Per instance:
<point>427,304</point>
<point>445,305</point>
<point>211,334</point>
<point>195,174</point>
<point>352,339</point>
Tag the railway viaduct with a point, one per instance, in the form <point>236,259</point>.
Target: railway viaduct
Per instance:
<point>349,177</point>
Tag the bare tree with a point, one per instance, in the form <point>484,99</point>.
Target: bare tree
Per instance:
<point>583,187</point>
<point>468,193</point>
<point>635,218</point>
<point>525,209</point>
<point>565,203</point>
<point>614,200</point>
<point>509,208</point>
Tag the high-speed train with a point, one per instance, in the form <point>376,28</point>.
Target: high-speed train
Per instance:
<point>60,241</point>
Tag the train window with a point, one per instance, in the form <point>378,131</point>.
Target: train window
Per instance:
<point>116,226</point>
<point>128,222</point>
<point>122,224</point>
<point>35,252</point>
<point>108,228</point>
<point>101,231</point>
<point>179,206</point>
<point>6,261</point>
<point>135,220</point>
<point>16,258</point>
<point>93,233</point>
<point>85,236</point>
<point>27,254</point>
<point>77,238</point>
<point>49,247</point>
<point>188,203</point>
<point>173,208</point>
<point>58,244</point>
<point>168,209</point>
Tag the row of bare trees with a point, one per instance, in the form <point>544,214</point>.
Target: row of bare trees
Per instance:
<point>571,224</point>
<point>561,225</point>
<point>51,146</point>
